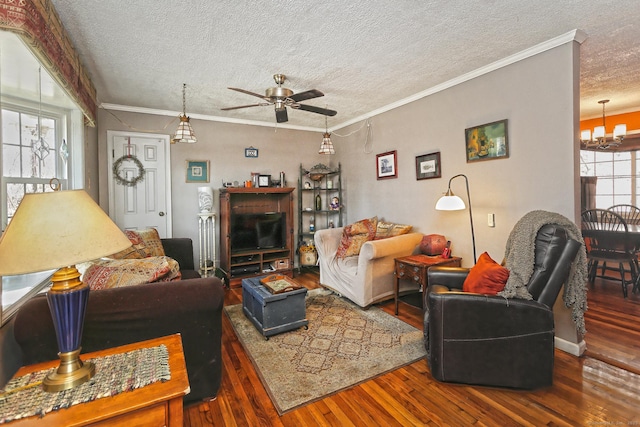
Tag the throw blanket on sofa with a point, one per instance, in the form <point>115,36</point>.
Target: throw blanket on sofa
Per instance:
<point>519,257</point>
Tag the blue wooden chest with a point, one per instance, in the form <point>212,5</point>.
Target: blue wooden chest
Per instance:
<point>273,313</point>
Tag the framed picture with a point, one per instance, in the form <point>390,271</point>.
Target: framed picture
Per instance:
<point>197,170</point>
<point>487,142</point>
<point>264,180</point>
<point>251,152</point>
<point>387,165</point>
<point>428,166</point>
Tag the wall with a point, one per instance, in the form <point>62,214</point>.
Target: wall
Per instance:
<point>535,95</point>
<point>221,143</point>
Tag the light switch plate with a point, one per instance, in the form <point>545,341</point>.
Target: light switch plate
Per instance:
<point>491,220</point>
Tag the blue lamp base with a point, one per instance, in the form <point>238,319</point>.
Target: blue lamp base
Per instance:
<point>67,299</point>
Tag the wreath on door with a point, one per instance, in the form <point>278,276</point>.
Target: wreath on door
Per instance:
<point>117,173</point>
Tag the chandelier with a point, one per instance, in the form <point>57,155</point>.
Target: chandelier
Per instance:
<point>599,139</point>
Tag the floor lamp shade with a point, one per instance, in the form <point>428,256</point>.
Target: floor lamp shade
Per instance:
<point>58,230</point>
<point>451,202</point>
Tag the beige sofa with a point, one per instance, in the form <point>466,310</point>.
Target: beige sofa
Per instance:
<point>366,278</point>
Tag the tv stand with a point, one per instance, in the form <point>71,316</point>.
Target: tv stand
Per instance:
<point>241,264</point>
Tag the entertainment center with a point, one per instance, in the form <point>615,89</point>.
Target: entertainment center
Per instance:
<point>256,232</point>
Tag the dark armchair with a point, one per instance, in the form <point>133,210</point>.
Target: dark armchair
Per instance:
<point>489,340</point>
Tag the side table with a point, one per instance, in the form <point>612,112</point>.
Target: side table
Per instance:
<point>414,268</point>
<point>159,403</point>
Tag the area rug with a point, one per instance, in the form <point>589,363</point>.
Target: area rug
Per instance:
<point>344,346</point>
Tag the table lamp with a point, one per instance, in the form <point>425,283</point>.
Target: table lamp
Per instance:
<point>58,230</point>
<point>451,202</point>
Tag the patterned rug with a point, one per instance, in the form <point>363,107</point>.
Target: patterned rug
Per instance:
<point>344,346</point>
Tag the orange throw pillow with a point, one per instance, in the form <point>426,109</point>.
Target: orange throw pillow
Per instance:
<point>486,277</point>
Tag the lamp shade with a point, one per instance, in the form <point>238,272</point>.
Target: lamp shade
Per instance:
<point>450,202</point>
<point>327,145</point>
<point>184,132</point>
<point>57,229</point>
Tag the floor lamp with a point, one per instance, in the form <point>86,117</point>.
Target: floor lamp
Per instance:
<point>451,202</point>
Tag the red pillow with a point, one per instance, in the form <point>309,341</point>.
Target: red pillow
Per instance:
<point>486,277</point>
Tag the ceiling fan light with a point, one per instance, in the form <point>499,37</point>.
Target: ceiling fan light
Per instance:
<point>619,131</point>
<point>327,145</point>
<point>185,132</point>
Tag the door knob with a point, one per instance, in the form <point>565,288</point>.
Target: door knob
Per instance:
<point>161,214</point>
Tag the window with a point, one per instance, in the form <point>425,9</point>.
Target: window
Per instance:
<point>35,146</point>
<point>31,156</point>
<point>616,171</point>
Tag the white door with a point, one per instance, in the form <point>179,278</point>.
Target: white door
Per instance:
<point>147,204</point>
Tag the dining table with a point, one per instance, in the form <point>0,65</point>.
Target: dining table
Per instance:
<point>619,238</point>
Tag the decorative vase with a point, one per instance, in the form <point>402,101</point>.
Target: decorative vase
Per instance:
<point>205,199</point>
<point>433,244</point>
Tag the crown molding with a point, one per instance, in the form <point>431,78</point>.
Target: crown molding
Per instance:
<point>571,36</point>
<point>574,35</point>
<point>157,112</point>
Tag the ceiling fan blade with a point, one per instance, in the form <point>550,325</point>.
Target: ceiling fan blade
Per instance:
<point>303,96</point>
<point>281,115</point>
<point>262,104</point>
<point>249,93</point>
<point>318,110</point>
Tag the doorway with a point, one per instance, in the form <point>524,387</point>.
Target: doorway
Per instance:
<point>140,193</point>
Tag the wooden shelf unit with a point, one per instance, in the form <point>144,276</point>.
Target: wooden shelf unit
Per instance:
<point>250,263</point>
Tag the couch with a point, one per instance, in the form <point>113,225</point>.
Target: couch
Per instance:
<point>122,315</point>
<point>366,278</point>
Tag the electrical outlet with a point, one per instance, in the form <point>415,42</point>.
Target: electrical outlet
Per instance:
<point>491,220</point>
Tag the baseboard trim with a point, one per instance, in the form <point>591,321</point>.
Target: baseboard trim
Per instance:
<point>577,349</point>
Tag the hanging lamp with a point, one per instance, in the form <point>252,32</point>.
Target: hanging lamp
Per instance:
<point>327,146</point>
<point>185,131</point>
<point>599,139</point>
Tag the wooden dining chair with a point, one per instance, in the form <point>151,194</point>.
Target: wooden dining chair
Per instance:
<point>630,213</point>
<point>609,242</point>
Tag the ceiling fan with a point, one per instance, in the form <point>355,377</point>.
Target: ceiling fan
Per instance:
<point>281,98</point>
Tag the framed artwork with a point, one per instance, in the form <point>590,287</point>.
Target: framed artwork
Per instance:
<point>251,152</point>
<point>264,180</point>
<point>428,166</point>
<point>487,142</point>
<point>197,170</point>
<point>387,165</point>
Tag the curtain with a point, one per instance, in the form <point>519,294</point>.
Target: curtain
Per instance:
<point>588,192</point>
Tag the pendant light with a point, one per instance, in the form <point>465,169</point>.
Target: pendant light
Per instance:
<point>600,134</point>
<point>327,146</point>
<point>185,131</point>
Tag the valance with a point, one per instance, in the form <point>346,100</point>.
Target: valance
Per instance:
<point>38,24</point>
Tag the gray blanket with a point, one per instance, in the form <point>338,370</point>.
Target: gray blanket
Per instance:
<point>519,259</point>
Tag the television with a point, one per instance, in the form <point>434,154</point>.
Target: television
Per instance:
<point>258,231</point>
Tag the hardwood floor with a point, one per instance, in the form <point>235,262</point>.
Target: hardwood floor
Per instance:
<point>586,391</point>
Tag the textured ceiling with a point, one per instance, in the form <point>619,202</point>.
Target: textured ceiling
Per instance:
<point>362,54</point>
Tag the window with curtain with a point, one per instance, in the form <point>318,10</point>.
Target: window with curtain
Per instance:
<point>37,121</point>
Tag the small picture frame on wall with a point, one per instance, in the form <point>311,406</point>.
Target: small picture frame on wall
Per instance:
<point>197,171</point>
<point>487,142</point>
<point>387,165</point>
<point>428,166</point>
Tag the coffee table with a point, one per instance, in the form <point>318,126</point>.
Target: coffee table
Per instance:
<point>414,268</point>
<point>273,313</point>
